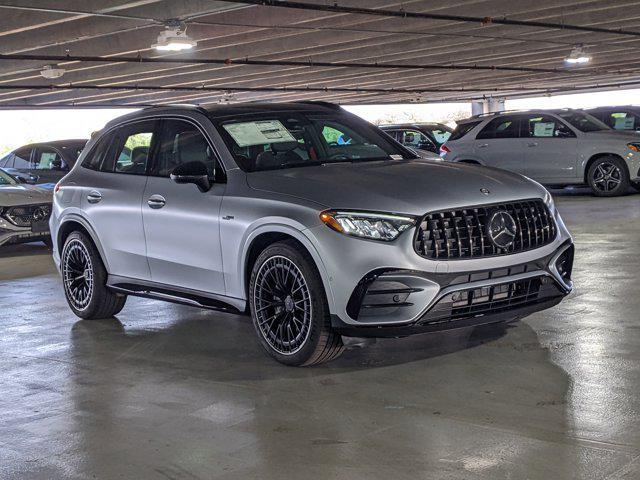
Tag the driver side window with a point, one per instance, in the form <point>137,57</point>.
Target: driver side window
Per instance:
<point>182,142</point>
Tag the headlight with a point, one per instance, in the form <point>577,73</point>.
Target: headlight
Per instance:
<point>634,146</point>
<point>375,226</point>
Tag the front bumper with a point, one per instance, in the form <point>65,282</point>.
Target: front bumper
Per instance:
<point>393,303</point>
<point>10,233</point>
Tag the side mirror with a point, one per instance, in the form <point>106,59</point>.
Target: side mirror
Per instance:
<point>192,172</point>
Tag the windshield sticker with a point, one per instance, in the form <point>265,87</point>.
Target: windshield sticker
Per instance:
<point>247,134</point>
<point>394,156</point>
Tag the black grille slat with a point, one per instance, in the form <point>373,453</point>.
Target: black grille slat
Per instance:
<point>23,215</point>
<point>462,233</point>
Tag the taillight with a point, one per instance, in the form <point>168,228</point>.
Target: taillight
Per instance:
<point>444,149</point>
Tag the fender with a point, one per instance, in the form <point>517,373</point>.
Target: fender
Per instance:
<point>297,232</point>
<point>78,218</point>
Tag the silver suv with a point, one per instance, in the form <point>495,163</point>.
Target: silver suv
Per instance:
<point>260,209</point>
<point>554,147</point>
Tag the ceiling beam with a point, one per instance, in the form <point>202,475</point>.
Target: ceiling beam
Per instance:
<point>401,13</point>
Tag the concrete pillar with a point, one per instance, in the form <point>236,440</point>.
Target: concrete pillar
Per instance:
<point>488,105</point>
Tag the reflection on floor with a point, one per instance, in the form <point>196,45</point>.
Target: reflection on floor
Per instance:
<point>166,391</point>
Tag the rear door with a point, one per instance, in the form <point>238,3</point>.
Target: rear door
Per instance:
<point>112,199</point>
<point>181,223</point>
<point>499,145</point>
<point>550,149</point>
<point>22,163</point>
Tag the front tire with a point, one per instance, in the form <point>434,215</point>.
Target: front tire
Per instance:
<point>289,307</point>
<point>84,278</point>
<point>608,177</point>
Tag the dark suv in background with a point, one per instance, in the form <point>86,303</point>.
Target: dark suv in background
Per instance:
<point>420,136</point>
<point>626,118</point>
<point>43,163</point>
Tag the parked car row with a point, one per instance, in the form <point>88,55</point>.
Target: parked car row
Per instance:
<point>555,147</point>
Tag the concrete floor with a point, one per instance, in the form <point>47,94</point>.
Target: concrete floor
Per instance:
<point>171,392</point>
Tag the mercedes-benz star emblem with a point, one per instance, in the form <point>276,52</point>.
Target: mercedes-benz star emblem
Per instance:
<point>485,191</point>
<point>502,229</point>
<point>39,214</point>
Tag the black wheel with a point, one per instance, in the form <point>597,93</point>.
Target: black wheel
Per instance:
<point>84,278</point>
<point>289,307</point>
<point>608,177</point>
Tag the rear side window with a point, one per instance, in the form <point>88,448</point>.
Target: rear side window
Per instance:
<point>7,161</point>
<point>131,148</point>
<point>95,159</point>
<point>462,129</point>
<point>501,127</point>
<point>21,158</point>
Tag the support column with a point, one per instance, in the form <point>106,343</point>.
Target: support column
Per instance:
<point>488,105</point>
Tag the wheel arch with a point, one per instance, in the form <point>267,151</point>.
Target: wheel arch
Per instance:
<point>595,157</point>
<point>270,234</point>
<point>76,223</point>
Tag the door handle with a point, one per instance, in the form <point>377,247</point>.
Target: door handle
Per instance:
<point>156,201</point>
<point>532,144</point>
<point>94,196</point>
<point>483,145</point>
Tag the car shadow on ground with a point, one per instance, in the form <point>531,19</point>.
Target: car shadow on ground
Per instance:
<point>227,349</point>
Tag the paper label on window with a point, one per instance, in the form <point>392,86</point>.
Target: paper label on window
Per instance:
<point>247,134</point>
<point>624,123</point>
<point>543,129</point>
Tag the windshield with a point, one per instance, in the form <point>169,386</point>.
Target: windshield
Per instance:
<point>440,134</point>
<point>6,179</point>
<point>583,122</point>
<point>287,140</point>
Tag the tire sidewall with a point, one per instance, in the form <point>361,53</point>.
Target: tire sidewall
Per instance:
<point>624,184</point>
<point>318,301</point>
<point>99,274</point>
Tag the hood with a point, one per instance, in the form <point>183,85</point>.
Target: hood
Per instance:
<point>409,187</point>
<point>622,135</point>
<point>22,194</point>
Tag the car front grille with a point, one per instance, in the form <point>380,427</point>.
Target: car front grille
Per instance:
<point>26,215</point>
<point>463,233</point>
<point>491,299</point>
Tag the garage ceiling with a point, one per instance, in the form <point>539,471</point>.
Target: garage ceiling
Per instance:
<point>313,49</point>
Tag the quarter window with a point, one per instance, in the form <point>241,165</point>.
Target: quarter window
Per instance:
<point>7,161</point>
<point>96,159</point>
<point>21,158</point>
<point>501,127</point>
<point>182,142</point>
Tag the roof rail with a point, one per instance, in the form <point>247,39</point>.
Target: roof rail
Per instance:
<point>333,106</point>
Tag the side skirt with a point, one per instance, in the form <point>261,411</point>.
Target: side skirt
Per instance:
<point>183,296</point>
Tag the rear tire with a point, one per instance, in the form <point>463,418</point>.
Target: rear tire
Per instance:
<point>84,278</point>
<point>608,177</point>
<point>289,307</point>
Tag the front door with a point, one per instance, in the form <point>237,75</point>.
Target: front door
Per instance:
<point>48,165</point>
<point>550,149</point>
<point>181,223</point>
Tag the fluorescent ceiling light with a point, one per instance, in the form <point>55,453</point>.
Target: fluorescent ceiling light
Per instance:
<point>174,39</point>
<point>51,71</point>
<point>577,56</point>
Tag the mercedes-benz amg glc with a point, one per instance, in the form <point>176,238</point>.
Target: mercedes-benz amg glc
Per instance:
<point>308,218</point>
